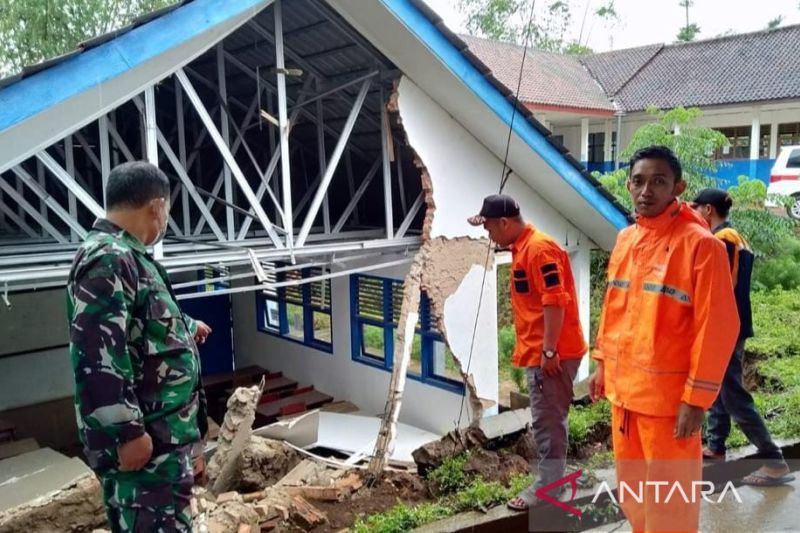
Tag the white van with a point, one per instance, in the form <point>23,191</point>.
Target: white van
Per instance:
<point>784,179</point>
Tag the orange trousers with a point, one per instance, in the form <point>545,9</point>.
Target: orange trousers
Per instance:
<point>657,474</point>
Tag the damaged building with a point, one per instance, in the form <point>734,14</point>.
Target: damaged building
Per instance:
<point>324,156</point>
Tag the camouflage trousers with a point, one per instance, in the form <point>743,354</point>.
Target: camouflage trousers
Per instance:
<point>155,499</point>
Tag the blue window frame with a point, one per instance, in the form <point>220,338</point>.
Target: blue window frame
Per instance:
<point>298,313</point>
<point>375,313</point>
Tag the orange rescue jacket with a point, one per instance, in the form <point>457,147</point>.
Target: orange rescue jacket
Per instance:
<point>541,275</point>
<point>669,321</point>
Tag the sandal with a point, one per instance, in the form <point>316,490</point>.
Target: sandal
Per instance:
<point>710,455</point>
<point>762,480</point>
<point>527,497</point>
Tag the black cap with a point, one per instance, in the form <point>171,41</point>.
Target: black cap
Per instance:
<point>495,206</point>
<point>718,198</point>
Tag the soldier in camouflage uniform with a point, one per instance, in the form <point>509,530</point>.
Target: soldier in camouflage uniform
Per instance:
<point>139,401</point>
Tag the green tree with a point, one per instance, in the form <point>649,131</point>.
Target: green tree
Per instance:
<point>34,30</point>
<point>688,33</point>
<point>694,146</point>
<point>507,20</point>
<point>772,237</point>
<point>774,23</point>
<point>691,30</point>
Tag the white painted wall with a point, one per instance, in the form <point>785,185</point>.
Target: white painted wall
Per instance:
<point>462,317</point>
<point>463,171</point>
<point>425,406</point>
<point>36,320</point>
<point>713,117</point>
<point>35,378</point>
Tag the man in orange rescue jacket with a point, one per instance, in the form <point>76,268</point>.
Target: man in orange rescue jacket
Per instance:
<point>660,352</point>
<point>550,342</point>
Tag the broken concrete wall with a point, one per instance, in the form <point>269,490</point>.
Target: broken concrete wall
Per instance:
<point>464,171</point>
<point>76,507</point>
<point>337,373</point>
<point>458,277</point>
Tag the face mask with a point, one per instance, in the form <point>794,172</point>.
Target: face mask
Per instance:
<point>160,236</point>
<point>161,233</point>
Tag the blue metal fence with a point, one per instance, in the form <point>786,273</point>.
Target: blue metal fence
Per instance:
<point>728,170</point>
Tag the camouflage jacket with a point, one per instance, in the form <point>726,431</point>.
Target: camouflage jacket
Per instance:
<point>133,353</point>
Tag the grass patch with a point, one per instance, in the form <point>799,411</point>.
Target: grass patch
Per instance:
<point>449,476</point>
<point>776,321</point>
<point>475,495</point>
<point>588,424</point>
<point>402,518</point>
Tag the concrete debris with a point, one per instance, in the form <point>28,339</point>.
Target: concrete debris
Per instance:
<point>306,515</point>
<point>264,462</point>
<point>308,473</point>
<point>351,483</point>
<point>325,494</point>
<point>504,424</point>
<point>77,507</point>
<point>233,437</point>
<point>230,517</point>
<point>454,443</point>
<point>270,525</point>
<point>226,497</point>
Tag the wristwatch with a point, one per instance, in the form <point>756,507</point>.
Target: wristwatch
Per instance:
<point>549,354</point>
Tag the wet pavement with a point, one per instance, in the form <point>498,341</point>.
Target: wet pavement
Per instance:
<point>762,509</point>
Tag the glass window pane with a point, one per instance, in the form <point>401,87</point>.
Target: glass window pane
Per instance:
<point>444,364</point>
<point>372,341</point>
<point>415,364</point>
<point>322,327</point>
<point>295,315</point>
<point>370,298</point>
<point>272,319</point>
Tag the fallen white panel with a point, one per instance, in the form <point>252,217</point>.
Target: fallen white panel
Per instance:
<point>300,430</point>
<point>353,434</point>
<point>38,474</point>
<point>460,314</point>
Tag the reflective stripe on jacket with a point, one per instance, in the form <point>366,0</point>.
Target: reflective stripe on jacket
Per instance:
<point>669,321</point>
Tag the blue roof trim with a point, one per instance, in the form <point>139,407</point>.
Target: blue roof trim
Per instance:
<point>420,25</point>
<point>32,95</point>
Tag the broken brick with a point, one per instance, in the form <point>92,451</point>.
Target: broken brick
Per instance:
<point>284,512</point>
<point>226,497</point>
<point>327,494</point>
<point>270,525</point>
<point>306,515</point>
<point>352,482</point>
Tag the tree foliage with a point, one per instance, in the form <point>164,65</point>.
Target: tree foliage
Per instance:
<point>34,30</point>
<point>507,20</point>
<point>688,33</point>
<point>694,146</point>
<point>690,30</point>
<point>774,23</point>
<point>772,237</point>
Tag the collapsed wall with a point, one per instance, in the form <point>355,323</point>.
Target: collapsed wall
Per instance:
<point>457,276</point>
<point>455,270</point>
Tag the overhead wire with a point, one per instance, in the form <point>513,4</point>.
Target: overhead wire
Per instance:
<point>504,175</point>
